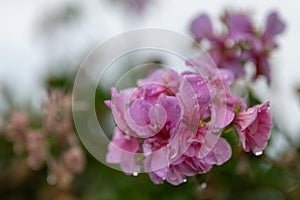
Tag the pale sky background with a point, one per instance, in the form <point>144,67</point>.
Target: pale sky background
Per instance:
<point>25,55</point>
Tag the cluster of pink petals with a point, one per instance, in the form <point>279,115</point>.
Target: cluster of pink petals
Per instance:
<point>168,126</point>
<point>241,42</point>
<point>56,131</point>
<point>253,127</point>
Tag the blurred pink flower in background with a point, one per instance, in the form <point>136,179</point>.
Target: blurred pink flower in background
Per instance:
<point>241,42</point>
<point>36,141</point>
<point>74,160</point>
<point>17,129</point>
<point>37,148</point>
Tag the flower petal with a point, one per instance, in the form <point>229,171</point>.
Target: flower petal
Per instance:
<point>201,27</point>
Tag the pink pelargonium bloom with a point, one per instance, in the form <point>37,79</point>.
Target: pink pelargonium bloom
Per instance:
<point>122,150</point>
<point>254,127</point>
<point>274,26</point>
<point>171,113</point>
<point>221,104</point>
<point>239,25</point>
<point>145,111</point>
<point>242,42</point>
<point>201,27</point>
<point>204,151</point>
<point>166,77</point>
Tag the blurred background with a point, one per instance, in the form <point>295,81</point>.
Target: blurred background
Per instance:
<point>42,44</point>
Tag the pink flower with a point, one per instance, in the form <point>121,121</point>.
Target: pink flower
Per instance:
<point>74,160</point>
<point>165,111</point>
<point>17,129</point>
<point>204,151</point>
<point>201,27</point>
<point>169,124</point>
<point>121,151</point>
<point>37,148</point>
<point>60,175</point>
<point>241,42</point>
<point>254,127</point>
<point>220,102</point>
<point>274,26</point>
<point>239,25</point>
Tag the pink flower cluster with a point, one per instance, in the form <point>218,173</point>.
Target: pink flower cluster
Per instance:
<point>241,42</point>
<point>169,126</point>
<point>57,132</point>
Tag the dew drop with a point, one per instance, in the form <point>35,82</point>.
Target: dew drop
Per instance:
<point>203,185</point>
<point>135,174</point>
<point>164,178</point>
<point>259,153</point>
<point>184,180</point>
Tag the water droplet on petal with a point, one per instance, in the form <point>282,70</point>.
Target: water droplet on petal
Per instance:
<point>184,180</point>
<point>164,178</point>
<point>135,174</point>
<point>259,153</point>
<point>203,185</point>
